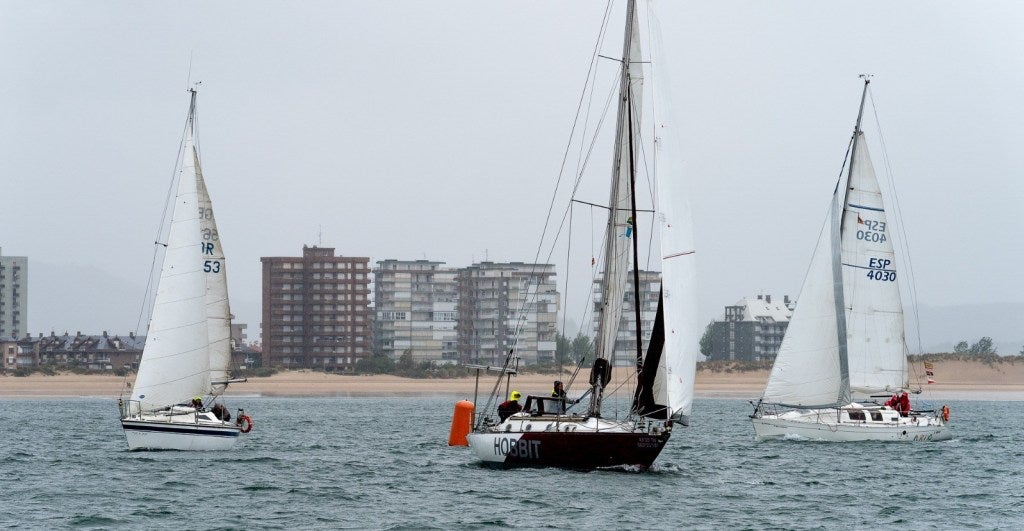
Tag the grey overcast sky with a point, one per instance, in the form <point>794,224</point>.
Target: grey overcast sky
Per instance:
<point>409,129</point>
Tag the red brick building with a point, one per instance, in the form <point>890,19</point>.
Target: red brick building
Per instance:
<point>316,310</point>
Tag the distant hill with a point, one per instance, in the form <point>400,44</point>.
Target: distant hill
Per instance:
<point>942,327</point>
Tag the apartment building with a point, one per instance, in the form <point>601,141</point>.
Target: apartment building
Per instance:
<point>625,342</point>
<point>316,310</point>
<point>13,296</point>
<point>506,305</point>
<point>415,310</point>
<point>752,329</point>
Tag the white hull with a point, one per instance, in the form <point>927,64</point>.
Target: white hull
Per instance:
<point>823,425</point>
<point>178,432</point>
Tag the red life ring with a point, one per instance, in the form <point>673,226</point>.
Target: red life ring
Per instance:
<point>945,413</point>
<point>245,423</point>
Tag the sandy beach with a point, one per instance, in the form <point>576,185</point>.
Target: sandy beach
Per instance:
<point>954,380</point>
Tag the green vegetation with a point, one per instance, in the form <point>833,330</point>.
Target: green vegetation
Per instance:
<point>989,359</point>
<point>729,366</point>
<point>982,346</point>
<point>706,344</point>
<point>570,352</point>
<point>255,372</point>
<point>378,364</point>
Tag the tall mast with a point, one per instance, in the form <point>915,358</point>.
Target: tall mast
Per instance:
<point>613,265</point>
<point>191,126</point>
<point>838,207</point>
<point>636,238</point>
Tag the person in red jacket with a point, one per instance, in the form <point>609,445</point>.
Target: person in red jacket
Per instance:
<point>900,402</point>
<point>904,406</point>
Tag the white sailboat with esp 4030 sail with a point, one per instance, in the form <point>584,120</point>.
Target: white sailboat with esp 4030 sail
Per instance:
<point>546,432</point>
<point>847,332</point>
<point>186,361</point>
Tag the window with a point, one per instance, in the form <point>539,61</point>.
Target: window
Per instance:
<point>857,414</point>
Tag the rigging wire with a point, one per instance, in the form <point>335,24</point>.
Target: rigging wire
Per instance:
<point>522,319</point>
<point>568,255</point>
<point>157,246</point>
<point>561,172</point>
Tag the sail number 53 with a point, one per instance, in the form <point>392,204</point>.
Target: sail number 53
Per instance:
<point>211,266</point>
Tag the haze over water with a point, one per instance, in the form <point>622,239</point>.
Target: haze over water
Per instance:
<point>384,463</point>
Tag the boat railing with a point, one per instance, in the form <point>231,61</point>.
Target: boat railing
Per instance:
<point>129,408</point>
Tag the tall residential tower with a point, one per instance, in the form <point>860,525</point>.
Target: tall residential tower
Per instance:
<point>506,305</point>
<point>316,310</point>
<point>414,308</point>
<point>13,296</point>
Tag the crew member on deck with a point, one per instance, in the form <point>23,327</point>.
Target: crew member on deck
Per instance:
<point>904,408</point>
<point>901,403</point>
<point>559,390</point>
<point>510,406</point>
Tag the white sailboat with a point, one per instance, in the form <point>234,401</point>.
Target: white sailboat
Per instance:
<point>186,361</point>
<point>543,433</point>
<point>846,338</point>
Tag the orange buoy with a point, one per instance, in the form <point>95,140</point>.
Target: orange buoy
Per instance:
<point>462,422</point>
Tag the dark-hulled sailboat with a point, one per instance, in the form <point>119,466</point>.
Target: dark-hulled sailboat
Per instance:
<point>543,433</point>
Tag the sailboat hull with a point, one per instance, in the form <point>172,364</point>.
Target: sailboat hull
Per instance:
<point>158,434</point>
<point>583,445</point>
<point>822,425</point>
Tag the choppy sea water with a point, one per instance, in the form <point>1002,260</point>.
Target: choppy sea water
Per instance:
<point>384,463</point>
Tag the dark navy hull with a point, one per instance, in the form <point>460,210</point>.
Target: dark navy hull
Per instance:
<point>575,450</point>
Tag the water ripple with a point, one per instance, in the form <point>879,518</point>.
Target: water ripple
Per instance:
<point>354,471</point>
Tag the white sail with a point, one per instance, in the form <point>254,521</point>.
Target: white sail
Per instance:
<point>874,314</point>
<point>218,312</point>
<point>677,369</point>
<point>806,370</point>
<point>175,363</point>
<point>621,228</point>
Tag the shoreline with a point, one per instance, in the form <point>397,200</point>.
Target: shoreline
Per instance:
<point>955,380</point>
